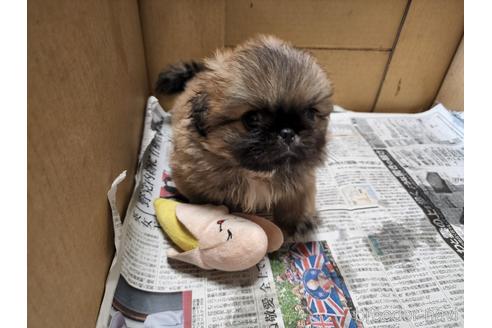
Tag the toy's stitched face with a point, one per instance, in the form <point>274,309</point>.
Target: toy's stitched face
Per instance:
<point>229,232</point>
<point>227,227</point>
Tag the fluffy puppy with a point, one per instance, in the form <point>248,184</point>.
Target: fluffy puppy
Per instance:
<point>250,129</point>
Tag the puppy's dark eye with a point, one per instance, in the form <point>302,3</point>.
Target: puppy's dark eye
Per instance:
<point>311,113</point>
<point>251,119</point>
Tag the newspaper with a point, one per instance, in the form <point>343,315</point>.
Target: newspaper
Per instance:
<point>389,251</point>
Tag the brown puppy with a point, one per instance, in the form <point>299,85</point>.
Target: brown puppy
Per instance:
<point>250,129</point>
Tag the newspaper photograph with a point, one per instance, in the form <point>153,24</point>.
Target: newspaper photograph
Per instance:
<point>389,250</point>
<point>310,287</point>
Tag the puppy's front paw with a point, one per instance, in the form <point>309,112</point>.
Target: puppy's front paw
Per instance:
<point>297,226</point>
<point>297,215</point>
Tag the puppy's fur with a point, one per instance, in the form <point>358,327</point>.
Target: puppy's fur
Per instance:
<point>250,129</point>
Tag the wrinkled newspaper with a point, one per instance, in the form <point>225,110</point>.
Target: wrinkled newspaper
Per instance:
<point>389,251</point>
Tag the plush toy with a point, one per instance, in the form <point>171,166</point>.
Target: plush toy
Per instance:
<point>212,238</point>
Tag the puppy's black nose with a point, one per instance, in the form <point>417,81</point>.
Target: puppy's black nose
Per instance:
<point>288,135</point>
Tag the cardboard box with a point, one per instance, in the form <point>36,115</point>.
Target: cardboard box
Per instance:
<point>92,64</point>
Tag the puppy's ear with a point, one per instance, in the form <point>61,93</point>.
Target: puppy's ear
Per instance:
<point>198,113</point>
<point>174,78</point>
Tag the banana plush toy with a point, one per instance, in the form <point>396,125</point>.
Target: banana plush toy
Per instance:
<point>212,238</point>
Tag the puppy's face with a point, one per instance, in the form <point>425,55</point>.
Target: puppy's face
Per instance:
<point>267,107</point>
<point>283,135</point>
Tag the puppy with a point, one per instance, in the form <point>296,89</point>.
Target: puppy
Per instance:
<point>249,130</point>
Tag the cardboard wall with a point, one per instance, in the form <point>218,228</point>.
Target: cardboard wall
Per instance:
<point>382,55</point>
<point>180,30</point>
<point>451,93</point>
<point>425,47</point>
<point>87,87</point>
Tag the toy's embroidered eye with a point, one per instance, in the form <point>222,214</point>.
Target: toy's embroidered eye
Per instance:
<point>220,224</point>
<point>229,234</point>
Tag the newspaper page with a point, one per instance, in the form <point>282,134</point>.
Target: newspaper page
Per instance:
<point>391,202</point>
<point>388,253</point>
